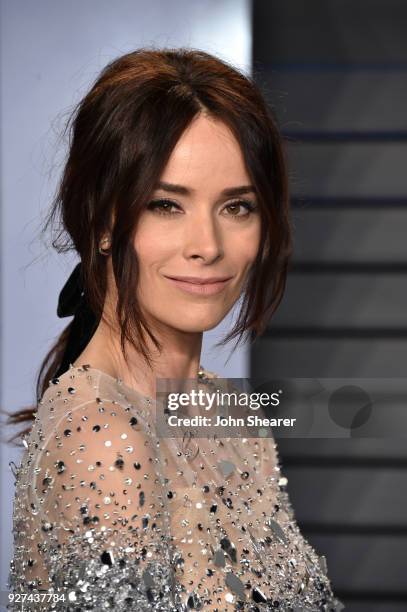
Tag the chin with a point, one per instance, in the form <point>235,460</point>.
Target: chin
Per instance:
<point>198,324</point>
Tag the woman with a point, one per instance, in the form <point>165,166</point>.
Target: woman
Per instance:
<point>174,195</point>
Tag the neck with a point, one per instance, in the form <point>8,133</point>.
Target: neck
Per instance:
<point>180,356</point>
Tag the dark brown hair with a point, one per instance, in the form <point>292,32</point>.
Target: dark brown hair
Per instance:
<point>121,136</point>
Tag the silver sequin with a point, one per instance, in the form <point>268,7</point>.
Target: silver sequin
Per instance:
<point>111,517</point>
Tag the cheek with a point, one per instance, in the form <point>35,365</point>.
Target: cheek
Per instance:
<point>151,246</point>
<point>244,246</point>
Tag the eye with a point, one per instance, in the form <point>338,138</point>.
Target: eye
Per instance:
<point>248,206</point>
<point>162,206</point>
<point>167,208</point>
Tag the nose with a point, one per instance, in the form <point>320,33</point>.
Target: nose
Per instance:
<point>203,237</point>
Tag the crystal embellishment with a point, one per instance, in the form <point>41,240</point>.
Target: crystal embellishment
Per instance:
<point>118,518</point>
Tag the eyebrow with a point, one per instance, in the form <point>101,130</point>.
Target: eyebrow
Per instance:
<point>182,190</point>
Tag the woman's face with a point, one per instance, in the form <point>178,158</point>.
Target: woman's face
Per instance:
<point>199,225</point>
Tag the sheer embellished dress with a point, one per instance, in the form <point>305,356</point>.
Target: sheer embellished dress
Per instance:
<point>109,516</point>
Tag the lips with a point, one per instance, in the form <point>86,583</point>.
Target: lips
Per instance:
<point>198,285</point>
<point>197,280</point>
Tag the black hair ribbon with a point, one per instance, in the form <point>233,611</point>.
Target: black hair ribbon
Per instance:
<point>72,302</point>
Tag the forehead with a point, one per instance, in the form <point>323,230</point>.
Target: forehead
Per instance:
<point>208,154</point>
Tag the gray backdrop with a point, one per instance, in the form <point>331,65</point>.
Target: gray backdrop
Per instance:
<point>336,73</point>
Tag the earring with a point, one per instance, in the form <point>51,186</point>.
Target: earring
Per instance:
<point>104,246</point>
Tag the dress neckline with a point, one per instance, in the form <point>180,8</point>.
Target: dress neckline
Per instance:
<point>202,374</point>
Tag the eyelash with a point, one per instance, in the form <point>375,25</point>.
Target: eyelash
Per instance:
<point>154,206</point>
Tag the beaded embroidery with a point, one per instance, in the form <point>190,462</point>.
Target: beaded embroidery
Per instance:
<point>115,518</point>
